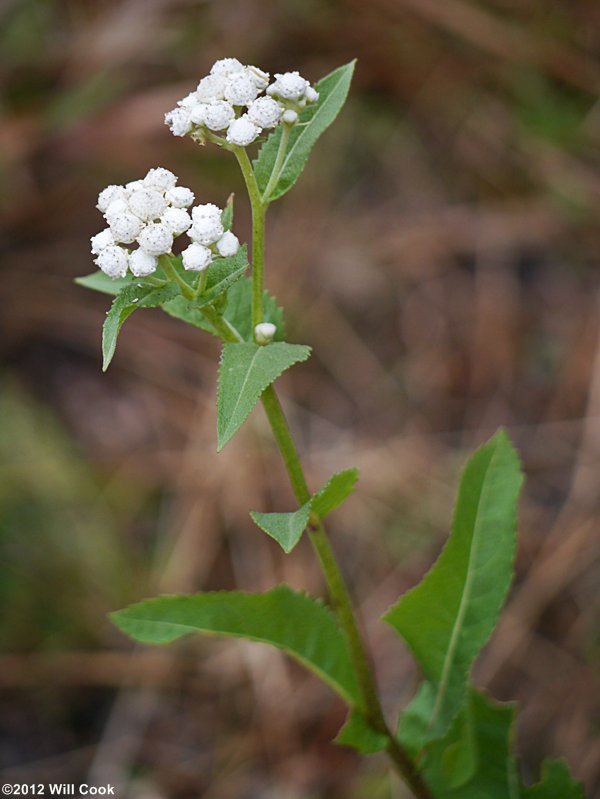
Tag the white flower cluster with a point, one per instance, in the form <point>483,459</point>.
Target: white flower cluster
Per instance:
<point>151,213</point>
<point>231,99</point>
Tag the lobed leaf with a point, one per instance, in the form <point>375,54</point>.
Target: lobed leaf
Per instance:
<point>450,615</point>
<point>130,298</point>
<point>285,528</point>
<point>333,90</point>
<point>245,371</point>
<point>291,621</point>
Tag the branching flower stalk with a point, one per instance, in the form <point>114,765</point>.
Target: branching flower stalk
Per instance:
<point>451,739</point>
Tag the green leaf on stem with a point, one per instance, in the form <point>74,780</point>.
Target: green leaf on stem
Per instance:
<point>285,528</point>
<point>239,311</point>
<point>314,120</point>
<point>556,783</point>
<point>227,214</point>
<point>450,615</point>
<point>358,734</point>
<point>125,303</point>
<point>245,371</point>
<point>474,758</point>
<point>291,621</point>
<point>98,281</point>
<point>334,492</point>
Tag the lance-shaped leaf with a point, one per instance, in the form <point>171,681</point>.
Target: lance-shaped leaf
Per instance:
<point>291,621</point>
<point>333,90</point>
<point>556,783</point>
<point>450,615</point>
<point>125,303</point>
<point>285,528</point>
<point>334,492</point>
<point>245,371</point>
<point>238,310</point>
<point>474,760</point>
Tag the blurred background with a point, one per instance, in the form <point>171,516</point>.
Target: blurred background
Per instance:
<point>441,254</point>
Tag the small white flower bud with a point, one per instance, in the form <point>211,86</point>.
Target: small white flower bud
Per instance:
<point>160,178</point>
<point>177,220</point>
<point>147,203</point>
<point>226,67</point>
<point>178,121</point>
<point>289,86</point>
<point>242,131</point>
<point>241,89</point>
<point>142,263</point>
<point>133,185</point>
<point>196,257</point>
<point>180,197</point>
<point>311,95</point>
<point>198,113</point>
<point>125,228</point>
<point>113,261</point>
<point>101,240</point>
<point>211,88</point>
<point>109,195</point>
<point>189,101</point>
<point>289,117</point>
<point>156,239</point>
<point>115,209</point>
<point>206,210</point>
<point>218,115</point>
<point>228,244</point>
<point>265,112</point>
<point>206,230</point>
<point>264,332</point>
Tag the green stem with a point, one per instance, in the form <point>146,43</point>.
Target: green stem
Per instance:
<point>276,173</point>
<point>170,271</point>
<point>258,238</point>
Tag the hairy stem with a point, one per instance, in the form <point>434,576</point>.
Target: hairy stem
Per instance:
<point>276,173</point>
<point>258,238</point>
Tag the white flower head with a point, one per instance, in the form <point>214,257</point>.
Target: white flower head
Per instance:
<point>147,203</point>
<point>180,197</point>
<point>259,77</point>
<point>156,239</point>
<point>116,209</point>
<point>109,195</point>
<point>177,220</point>
<point>264,332</point>
<point>206,230</point>
<point>179,121</point>
<point>113,261</point>
<point>211,88</point>
<point>242,131</point>
<point>265,112</point>
<point>209,210</point>
<point>289,86</point>
<point>226,67</point>
<point>196,257</point>
<point>101,240</point>
<point>241,89</point>
<point>228,244</point>
<point>142,263</point>
<point>160,178</point>
<point>218,115</point>
<point>125,228</point>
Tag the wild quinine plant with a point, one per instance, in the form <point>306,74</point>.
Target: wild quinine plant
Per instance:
<point>452,740</point>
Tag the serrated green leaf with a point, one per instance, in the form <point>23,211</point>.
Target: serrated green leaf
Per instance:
<point>98,281</point>
<point>556,783</point>
<point>333,90</point>
<point>358,734</point>
<point>125,303</point>
<point>450,615</point>
<point>245,371</point>
<point>294,622</point>
<point>334,492</point>
<point>482,765</point>
<point>239,311</point>
<point>285,528</point>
